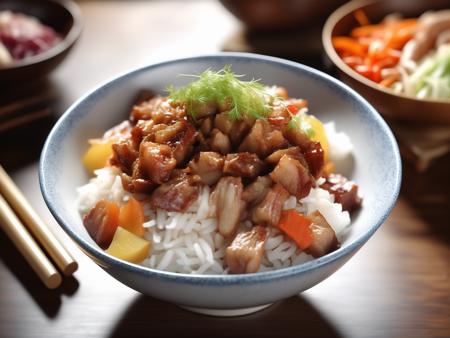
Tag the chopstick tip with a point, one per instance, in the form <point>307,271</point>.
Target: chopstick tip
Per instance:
<point>53,281</point>
<point>70,268</point>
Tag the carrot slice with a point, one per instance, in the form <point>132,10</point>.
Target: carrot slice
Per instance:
<point>131,217</point>
<point>346,44</point>
<point>361,17</point>
<point>296,226</point>
<point>362,31</point>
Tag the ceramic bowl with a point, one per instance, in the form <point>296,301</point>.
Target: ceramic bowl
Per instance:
<point>377,169</point>
<point>64,17</point>
<point>263,15</point>
<point>394,106</point>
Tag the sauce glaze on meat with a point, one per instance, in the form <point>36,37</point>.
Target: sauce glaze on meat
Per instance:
<point>252,166</point>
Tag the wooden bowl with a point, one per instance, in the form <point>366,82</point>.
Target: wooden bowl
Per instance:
<point>64,17</point>
<point>391,105</point>
<point>265,15</point>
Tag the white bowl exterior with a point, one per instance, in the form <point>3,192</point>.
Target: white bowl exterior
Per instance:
<point>376,170</point>
<point>225,296</point>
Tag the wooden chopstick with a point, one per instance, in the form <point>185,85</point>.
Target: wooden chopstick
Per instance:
<point>45,237</point>
<point>24,104</point>
<point>28,247</point>
<point>27,118</point>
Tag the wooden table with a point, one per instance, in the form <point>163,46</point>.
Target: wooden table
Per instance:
<point>396,286</point>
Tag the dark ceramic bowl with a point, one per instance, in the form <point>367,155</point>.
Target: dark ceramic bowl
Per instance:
<point>391,105</point>
<point>64,17</point>
<point>281,14</point>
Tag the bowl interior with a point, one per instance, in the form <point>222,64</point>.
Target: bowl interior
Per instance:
<point>376,159</point>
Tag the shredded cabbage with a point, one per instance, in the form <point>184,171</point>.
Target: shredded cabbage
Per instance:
<point>431,79</point>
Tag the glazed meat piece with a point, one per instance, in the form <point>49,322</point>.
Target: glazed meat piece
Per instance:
<point>296,137</point>
<point>257,190</point>
<point>263,139</point>
<point>293,176</point>
<point>124,155</point>
<point>136,185</point>
<point>228,203</point>
<point>202,143</point>
<point>142,129</point>
<point>177,194</point>
<point>245,252</point>
<point>168,133</point>
<point>157,109</point>
<point>180,136</point>
<point>314,156</point>
<point>219,142</point>
<point>235,130</point>
<point>138,182</point>
<point>223,123</point>
<point>208,165</point>
<point>275,157</point>
<point>239,130</point>
<point>206,126</point>
<point>242,164</point>
<point>344,191</point>
<point>101,222</point>
<point>156,161</point>
<point>143,110</point>
<point>183,141</point>
<point>325,240</point>
<point>268,211</point>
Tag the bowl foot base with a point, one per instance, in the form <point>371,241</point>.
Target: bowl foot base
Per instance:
<point>226,312</point>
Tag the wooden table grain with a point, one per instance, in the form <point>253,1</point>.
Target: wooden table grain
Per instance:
<point>398,285</point>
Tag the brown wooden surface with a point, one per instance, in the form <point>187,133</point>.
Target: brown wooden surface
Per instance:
<point>396,286</point>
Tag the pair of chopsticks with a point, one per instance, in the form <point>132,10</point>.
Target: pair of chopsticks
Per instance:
<point>14,208</point>
<point>24,112</point>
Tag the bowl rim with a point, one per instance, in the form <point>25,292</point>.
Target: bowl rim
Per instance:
<point>105,260</point>
<point>327,35</point>
<point>68,40</point>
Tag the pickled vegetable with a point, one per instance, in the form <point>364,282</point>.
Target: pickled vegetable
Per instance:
<point>97,155</point>
<point>129,247</point>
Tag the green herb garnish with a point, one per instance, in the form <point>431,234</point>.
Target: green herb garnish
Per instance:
<point>245,98</point>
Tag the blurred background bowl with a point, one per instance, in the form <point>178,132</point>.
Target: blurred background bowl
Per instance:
<point>391,105</point>
<point>281,14</point>
<point>64,17</point>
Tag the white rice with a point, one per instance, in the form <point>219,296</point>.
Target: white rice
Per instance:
<point>190,242</point>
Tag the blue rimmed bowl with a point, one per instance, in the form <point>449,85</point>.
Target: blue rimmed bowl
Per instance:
<point>377,169</point>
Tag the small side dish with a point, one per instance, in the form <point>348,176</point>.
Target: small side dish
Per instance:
<point>23,36</point>
<point>409,56</point>
<point>221,176</point>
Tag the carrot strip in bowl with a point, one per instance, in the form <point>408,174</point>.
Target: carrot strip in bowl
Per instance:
<point>296,226</point>
<point>370,48</point>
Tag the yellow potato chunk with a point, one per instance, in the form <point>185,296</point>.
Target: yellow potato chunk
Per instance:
<point>97,155</point>
<point>129,247</point>
<point>319,134</point>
